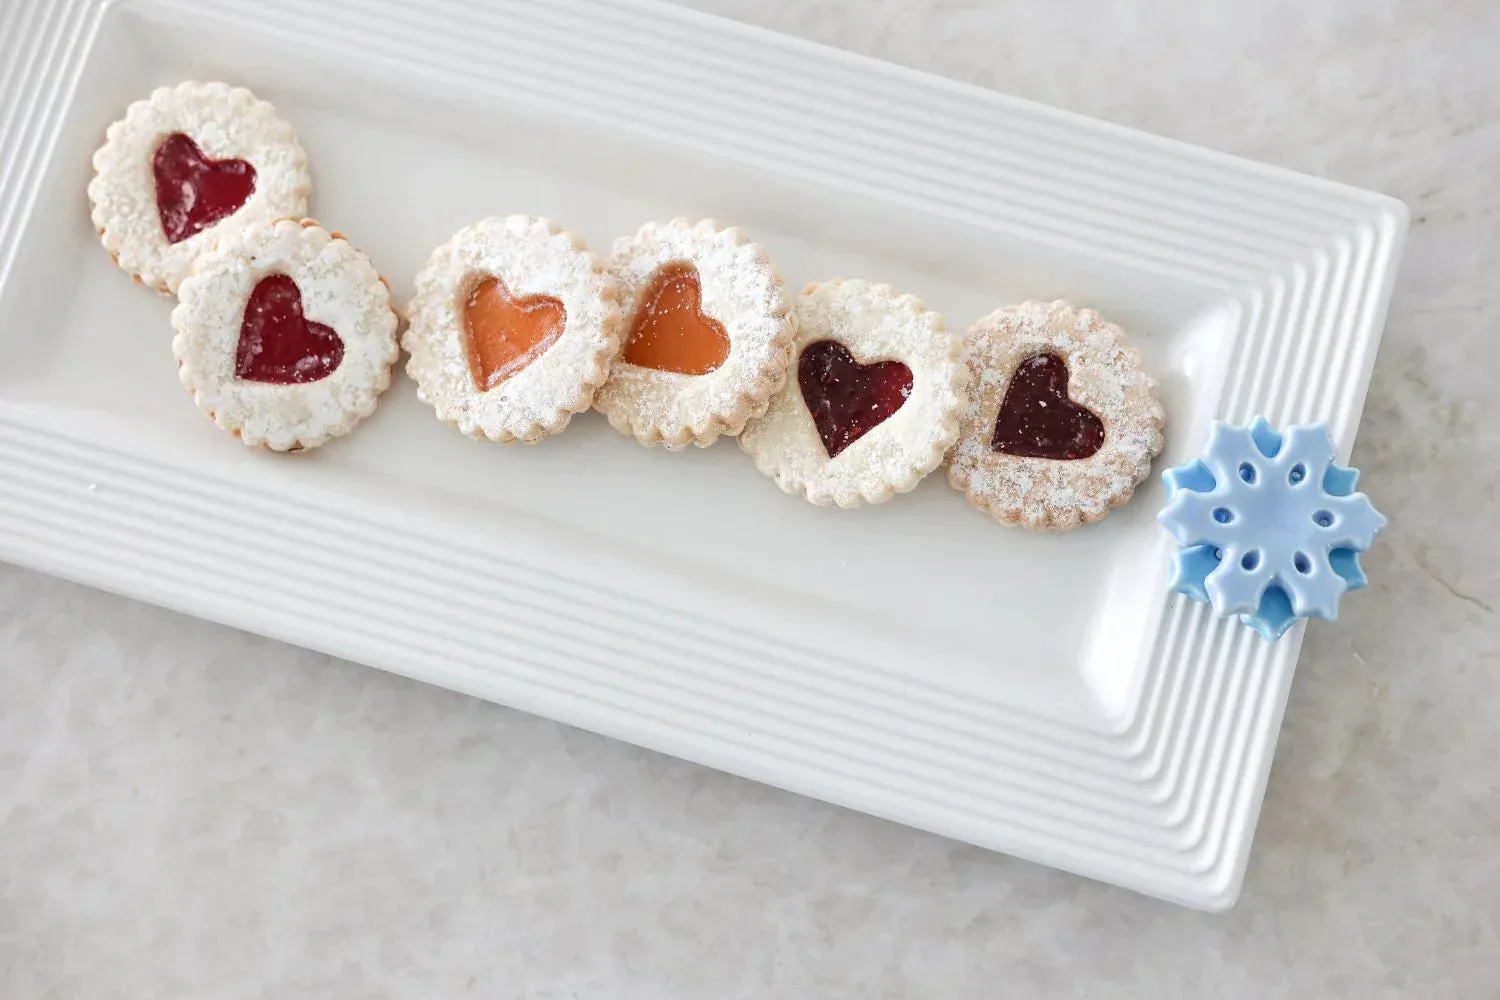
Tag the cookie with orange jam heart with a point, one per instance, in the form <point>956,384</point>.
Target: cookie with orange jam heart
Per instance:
<point>285,335</point>
<point>189,166</point>
<point>1063,419</point>
<point>708,334</point>
<point>513,326</point>
<point>873,403</point>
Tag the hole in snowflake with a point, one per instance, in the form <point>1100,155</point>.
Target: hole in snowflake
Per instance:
<point>1247,472</point>
<point>1323,519</point>
<point>1303,564</point>
<point>1223,515</point>
<point>1219,554</point>
<point>1298,473</point>
<point>1250,560</point>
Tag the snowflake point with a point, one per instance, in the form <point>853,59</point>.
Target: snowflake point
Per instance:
<point>1190,569</point>
<point>1267,441</point>
<point>1192,476</point>
<point>1273,617</point>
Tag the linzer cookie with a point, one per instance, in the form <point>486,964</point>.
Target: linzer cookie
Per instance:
<point>707,339</point>
<point>285,335</point>
<point>512,329</point>
<point>879,386</point>
<point>1063,420</point>
<point>191,165</point>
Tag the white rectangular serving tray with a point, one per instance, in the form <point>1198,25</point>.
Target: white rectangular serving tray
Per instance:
<point>1039,695</point>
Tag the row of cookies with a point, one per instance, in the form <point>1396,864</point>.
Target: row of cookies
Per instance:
<point>513,324</point>
<point>286,336</point>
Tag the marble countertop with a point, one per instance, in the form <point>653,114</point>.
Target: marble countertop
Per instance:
<point>188,811</point>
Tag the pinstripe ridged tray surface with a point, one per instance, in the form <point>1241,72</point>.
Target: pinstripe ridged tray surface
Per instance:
<point>1033,694</point>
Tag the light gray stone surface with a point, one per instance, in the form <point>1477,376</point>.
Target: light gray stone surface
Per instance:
<point>186,811</point>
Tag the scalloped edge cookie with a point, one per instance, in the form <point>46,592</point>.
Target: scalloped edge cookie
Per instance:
<point>339,287</point>
<point>1105,374</point>
<point>874,324</point>
<point>531,256</point>
<point>742,290</point>
<point>226,122</point>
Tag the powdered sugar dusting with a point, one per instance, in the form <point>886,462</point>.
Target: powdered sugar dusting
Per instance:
<point>226,123</point>
<point>531,256</point>
<point>340,288</point>
<point>1105,375</point>
<point>875,324</point>
<point>742,290</point>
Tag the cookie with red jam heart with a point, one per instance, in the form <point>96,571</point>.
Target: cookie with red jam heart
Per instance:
<point>285,335</point>
<point>514,325</point>
<point>874,399</point>
<point>707,334</point>
<point>187,167</point>
<point>1063,419</point>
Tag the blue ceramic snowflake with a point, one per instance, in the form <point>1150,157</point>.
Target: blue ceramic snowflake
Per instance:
<point>1270,528</point>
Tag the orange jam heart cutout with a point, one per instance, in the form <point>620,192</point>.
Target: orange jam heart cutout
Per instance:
<point>1038,420</point>
<point>506,334</point>
<point>278,344</point>
<point>670,332</point>
<point>192,191</point>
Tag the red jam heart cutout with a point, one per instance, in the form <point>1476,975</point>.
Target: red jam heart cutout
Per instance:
<point>278,344</point>
<point>1038,420</point>
<point>847,400</point>
<point>670,331</point>
<point>192,191</point>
